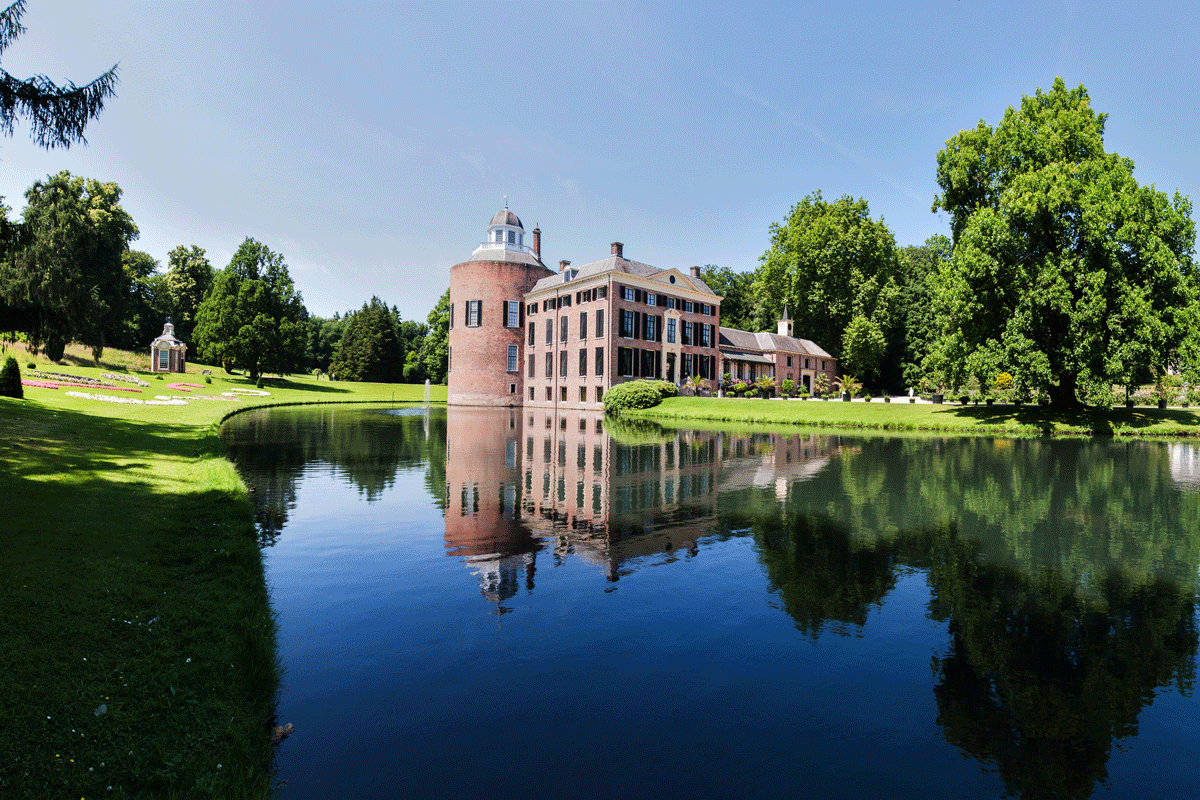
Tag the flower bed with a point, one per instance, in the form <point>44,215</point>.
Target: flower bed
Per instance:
<point>185,387</point>
<point>252,392</point>
<point>109,398</point>
<point>109,376</point>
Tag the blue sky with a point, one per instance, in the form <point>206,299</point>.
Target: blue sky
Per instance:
<point>371,143</point>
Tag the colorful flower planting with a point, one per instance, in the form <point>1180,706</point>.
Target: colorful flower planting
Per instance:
<point>124,379</point>
<point>109,398</point>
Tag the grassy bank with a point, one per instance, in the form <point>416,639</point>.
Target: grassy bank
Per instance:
<point>1003,420</point>
<point>139,647</point>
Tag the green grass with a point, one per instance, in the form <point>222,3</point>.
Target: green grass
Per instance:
<point>1004,420</point>
<point>133,580</point>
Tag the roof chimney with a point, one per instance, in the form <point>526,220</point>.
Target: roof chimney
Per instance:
<point>562,265</point>
<point>617,247</point>
<point>537,242</point>
<point>695,272</point>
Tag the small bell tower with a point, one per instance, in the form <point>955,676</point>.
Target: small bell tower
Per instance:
<point>785,323</point>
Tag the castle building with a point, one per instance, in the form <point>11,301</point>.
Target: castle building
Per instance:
<point>524,334</point>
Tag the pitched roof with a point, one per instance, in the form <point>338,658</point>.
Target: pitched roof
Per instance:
<point>733,340</point>
<point>621,266</point>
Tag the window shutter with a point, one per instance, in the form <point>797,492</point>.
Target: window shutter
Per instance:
<point>504,313</point>
<point>637,295</point>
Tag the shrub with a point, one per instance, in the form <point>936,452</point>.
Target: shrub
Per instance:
<point>632,395</point>
<point>30,365</point>
<point>787,387</point>
<point>259,384</point>
<point>158,377</point>
<point>10,379</point>
<point>752,391</point>
<point>665,388</point>
<point>208,378</point>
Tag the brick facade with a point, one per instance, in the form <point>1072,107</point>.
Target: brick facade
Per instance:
<point>481,333</point>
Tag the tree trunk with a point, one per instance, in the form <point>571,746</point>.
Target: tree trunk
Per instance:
<point>1062,394</point>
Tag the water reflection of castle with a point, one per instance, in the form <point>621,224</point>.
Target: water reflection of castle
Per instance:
<point>615,494</point>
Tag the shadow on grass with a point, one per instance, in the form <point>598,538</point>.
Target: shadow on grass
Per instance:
<point>36,442</point>
<point>1098,420</point>
<point>318,387</point>
<point>159,583</point>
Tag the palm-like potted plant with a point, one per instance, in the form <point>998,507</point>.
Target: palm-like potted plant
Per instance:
<point>821,385</point>
<point>848,385</point>
<point>766,385</point>
<point>696,383</point>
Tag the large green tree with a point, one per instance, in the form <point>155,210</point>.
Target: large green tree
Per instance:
<point>370,349</point>
<point>57,114</point>
<point>737,295</point>
<point>435,347</point>
<point>324,333</point>
<point>253,319</point>
<point>141,315</point>
<point>915,325</point>
<point>412,335</point>
<point>63,271</point>
<point>1066,273</point>
<point>189,278</point>
<point>833,266</point>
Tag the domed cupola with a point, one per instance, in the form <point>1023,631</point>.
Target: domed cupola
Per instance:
<point>505,232</point>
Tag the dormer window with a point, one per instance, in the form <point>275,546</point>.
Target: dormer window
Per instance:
<point>512,237</point>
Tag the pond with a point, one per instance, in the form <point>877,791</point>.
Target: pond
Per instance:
<point>523,604</point>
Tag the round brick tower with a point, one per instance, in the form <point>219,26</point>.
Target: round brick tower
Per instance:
<point>487,315</point>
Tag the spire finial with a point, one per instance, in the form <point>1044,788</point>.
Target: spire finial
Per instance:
<point>505,202</point>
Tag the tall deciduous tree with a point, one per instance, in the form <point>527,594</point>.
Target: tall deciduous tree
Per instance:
<point>253,319</point>
<point>917,330</point>
<point>370,348</point>
<point>832,265</point>
<point>1066,273</point>
<point>189,278</point>
<point>64,267</point>
<point>57,114</point>
<point>141,315</point>
<point>737,295</point>
<point>435,348</point>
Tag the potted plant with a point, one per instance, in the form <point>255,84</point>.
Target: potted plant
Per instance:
<point>803,393</point>
<point>787,387</point>
<point>725,383</point>
<point>766,385</point>
<point>849,386</point>
<point>821,386</point>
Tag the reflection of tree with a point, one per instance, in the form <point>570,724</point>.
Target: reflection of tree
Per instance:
<point>819,575</point>
<point>1040,678</point>
<point>272,448</point>
<point>1065,572</point>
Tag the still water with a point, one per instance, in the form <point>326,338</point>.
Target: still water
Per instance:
<point>516,604</point>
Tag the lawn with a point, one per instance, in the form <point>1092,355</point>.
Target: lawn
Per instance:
<point>139,644</point>
<point>1004,420</point>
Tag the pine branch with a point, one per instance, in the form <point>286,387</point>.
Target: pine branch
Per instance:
<point>58,114</point>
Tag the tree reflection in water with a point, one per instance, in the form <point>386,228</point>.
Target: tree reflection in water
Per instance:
<point>1065,572</point>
